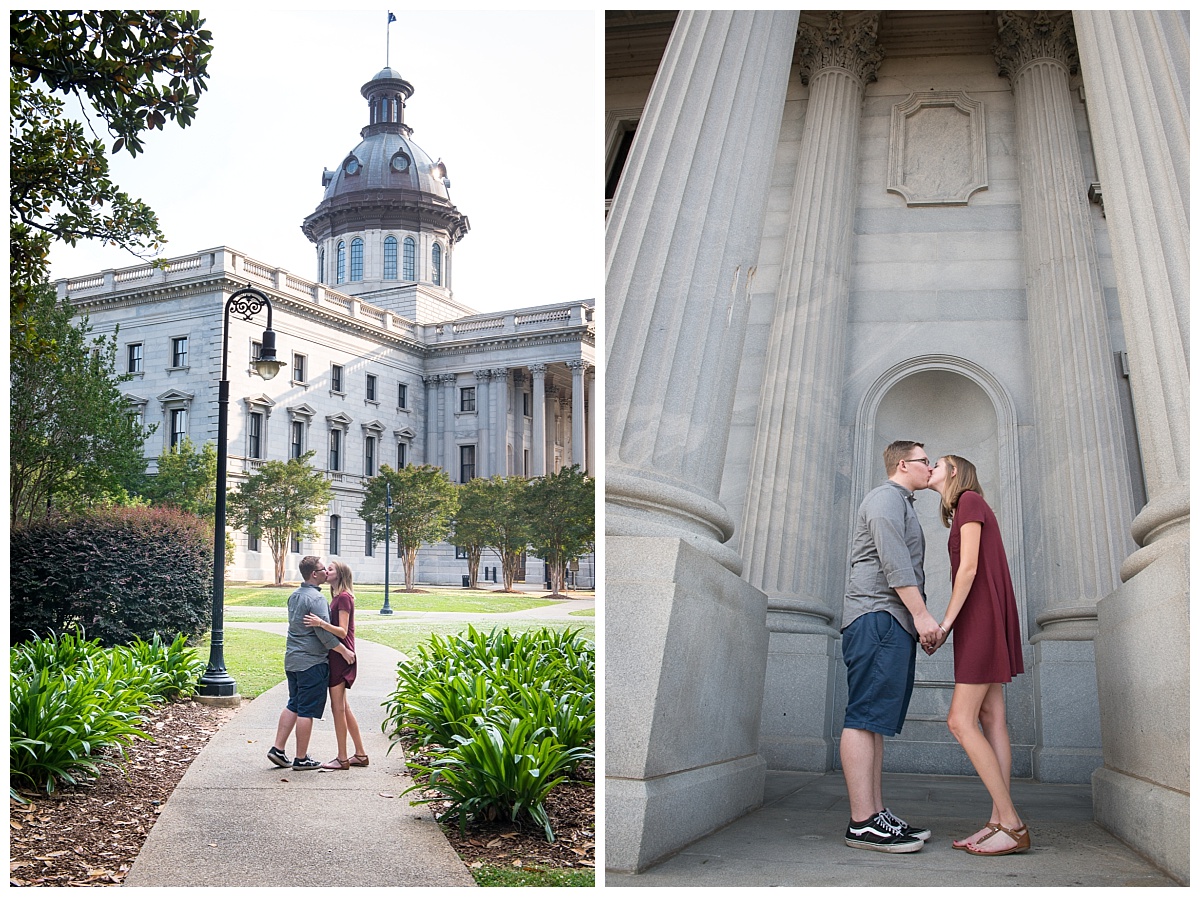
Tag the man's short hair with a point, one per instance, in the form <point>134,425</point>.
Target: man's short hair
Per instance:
<point>897,452</point>
<point>308,565</point>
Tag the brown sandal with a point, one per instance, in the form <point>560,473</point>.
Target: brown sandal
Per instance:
<point>1019,835</point>
<point>360,760</point>
<point>991,827</point>
<point>335,763</point>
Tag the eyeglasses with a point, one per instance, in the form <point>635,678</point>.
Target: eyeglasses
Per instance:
<point>924,461</point>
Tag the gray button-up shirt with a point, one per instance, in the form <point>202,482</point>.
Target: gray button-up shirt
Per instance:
<point>307,646</point>
<point>888,552</point>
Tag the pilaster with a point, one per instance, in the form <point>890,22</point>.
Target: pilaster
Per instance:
<point>538,372</point>
<point>449,442</point>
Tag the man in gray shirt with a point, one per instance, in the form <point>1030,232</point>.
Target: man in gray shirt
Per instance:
<point>883,617</point>
<point>306,663</point>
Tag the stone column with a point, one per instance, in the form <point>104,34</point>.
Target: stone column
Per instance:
<point>538,459</point>
<point>483,424</point>
<point>1086,498</point>
<point>681,245</point>
<point>788,539</point>
<point>449,453</point>
<point>1135,74</point>
<point>589,416</point>
<point>499,422</point>
<point>433,445</point>
<point>553,422</point>
<point>578,440</point>
<point>518,414</point>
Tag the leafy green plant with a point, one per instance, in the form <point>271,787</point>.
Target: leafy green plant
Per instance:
<point>500,771</point>
<point>176,668</point>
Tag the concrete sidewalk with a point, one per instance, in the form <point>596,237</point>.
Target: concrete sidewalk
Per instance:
<point>796,839</point>
<point>236,820</point>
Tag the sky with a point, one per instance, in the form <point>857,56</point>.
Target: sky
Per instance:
<point>510,101</point>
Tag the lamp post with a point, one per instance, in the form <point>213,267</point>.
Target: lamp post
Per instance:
<point>387,550</point>
<point>245,304</point>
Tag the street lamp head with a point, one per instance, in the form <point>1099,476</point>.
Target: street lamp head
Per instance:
<point>267,365</point>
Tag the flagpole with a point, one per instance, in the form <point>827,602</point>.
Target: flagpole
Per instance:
<point>388,52</point>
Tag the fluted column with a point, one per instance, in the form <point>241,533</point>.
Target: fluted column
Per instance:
<point>1080,439</point>
<point>590,416</point>
<point>538,459</point>
<point>578,443</point>
<point>433,445</point>
<point>500,403</point>
<point>681,246</point>
<point>681,249</point>
<point>1136,74</point>
<point>518,414</point>
<point>449,454</point>
<point>785,543</point>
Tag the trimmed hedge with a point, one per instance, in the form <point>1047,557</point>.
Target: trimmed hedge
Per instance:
<point>118,573</point>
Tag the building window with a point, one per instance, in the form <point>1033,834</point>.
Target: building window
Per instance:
<point>179,352</point>
<point>252,543</point>
<point>335,378</point>
<point>370,549</point>
<point>460,553</point>
<point>255,433</point>
<point>527,404</point>
<point>402,398</point>
<point>335,534</point>
<point>401,455</point>
<point>389,258</point>
<point>341,262</point>
<point>437,264</point>
<point>297,438</point>
<point>466,463</point>
<point>178,426</point>
<point>410,258</point>
<point>466,401</point>
<point>369,457</point>
<point>320,266</point>
<point>299,363</point>
<point>372,383</point>
<point>356,259</point>
<point>620,153</point>
<point>335,449</point>
<point>295,546</point>
<point>135,359</point>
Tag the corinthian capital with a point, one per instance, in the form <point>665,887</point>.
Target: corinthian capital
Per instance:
<point>1025,36</point>
<point>852,47</point>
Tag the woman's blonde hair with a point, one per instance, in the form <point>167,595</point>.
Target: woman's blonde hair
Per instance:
<point>345,580</point>
<point>961,477</point>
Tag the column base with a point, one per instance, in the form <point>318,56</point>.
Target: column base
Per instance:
<point>685,659</point>
<point>1067,747</point>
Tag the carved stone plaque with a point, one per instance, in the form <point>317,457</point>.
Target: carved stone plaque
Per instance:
<point>937,154</point>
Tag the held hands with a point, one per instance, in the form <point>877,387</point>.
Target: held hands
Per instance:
<point>930,646</point>
<point>931,633</point>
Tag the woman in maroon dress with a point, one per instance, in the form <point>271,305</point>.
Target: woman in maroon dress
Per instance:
<point>341,674</point>
<point>987,649</point>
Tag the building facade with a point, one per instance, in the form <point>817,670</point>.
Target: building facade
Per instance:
<point>827,231</point>
<point>384,366</point>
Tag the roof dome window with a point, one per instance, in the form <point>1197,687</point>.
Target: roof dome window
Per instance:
<point>351,166</point>
<point>401,161</point>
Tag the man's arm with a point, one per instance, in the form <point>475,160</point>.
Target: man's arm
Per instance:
<point>320,609</point>
<point>927,627</point>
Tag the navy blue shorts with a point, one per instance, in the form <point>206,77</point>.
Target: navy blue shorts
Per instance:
<point>881,660</point>
<point>307,691</point>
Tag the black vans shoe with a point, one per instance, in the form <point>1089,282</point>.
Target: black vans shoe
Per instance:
<point>905,828</point>
<point>877,833</point>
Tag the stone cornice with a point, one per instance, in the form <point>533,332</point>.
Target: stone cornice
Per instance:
<point>851,47</point>
<point>1024,37</point>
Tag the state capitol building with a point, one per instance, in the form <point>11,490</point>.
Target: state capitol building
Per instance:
<point>384,364</point>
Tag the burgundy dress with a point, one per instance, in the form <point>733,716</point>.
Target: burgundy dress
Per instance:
<point>987,634</point>
<point>341,672</point>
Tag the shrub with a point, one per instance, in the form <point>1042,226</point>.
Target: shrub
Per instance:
<point>506,718</point>
<point>121,573</point>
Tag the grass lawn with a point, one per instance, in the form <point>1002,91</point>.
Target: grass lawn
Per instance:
<point>369,597</point>
<point>255,658</point>
<point>532,877</point>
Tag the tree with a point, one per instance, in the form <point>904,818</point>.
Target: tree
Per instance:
<point>186,479</point>
<point>73,442</point>
<point>423,503</point>
<point>468,527</point>
<point>492,512</point>
<point>562,519</point>
<point>281,500</point>
<point>134,70</point>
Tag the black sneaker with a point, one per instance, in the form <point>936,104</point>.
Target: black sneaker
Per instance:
<point>905,828</point>
<point>306,763</point>
<point>278,757</point>
<point>879,834</point>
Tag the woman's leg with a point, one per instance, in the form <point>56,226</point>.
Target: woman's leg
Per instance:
<point>351,725</point>
<point>993,720</point>
<point>337,703</point>
<point>963,721</point>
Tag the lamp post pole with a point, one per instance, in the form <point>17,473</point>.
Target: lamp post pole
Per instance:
<point>245,304</point>
<point>387,550</point>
